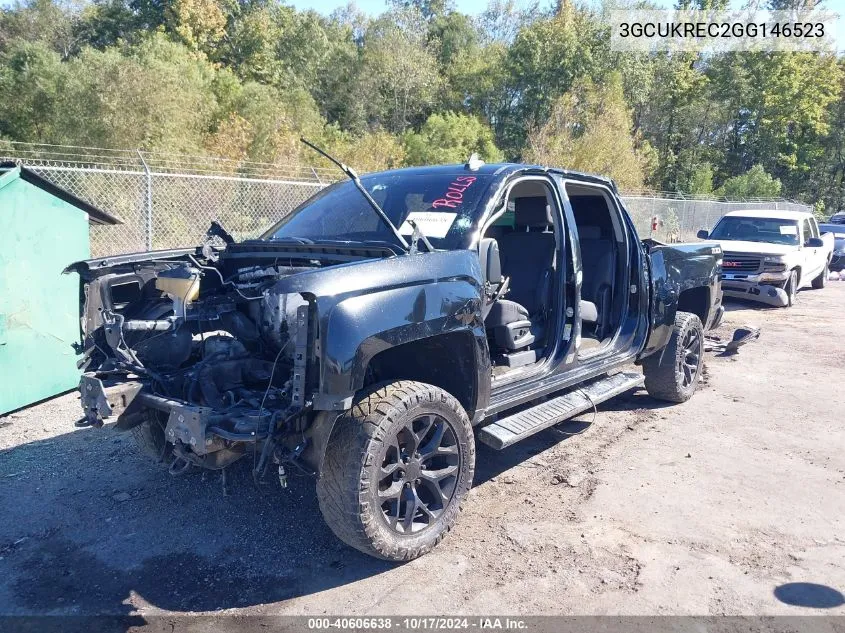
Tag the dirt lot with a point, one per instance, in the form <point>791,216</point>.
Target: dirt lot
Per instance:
<point>711,507</point>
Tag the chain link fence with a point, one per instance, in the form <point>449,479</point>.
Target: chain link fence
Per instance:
<point>679,219</point>
<point>169,200</point>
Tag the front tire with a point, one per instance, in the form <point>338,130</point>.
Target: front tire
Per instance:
<point>673,374</point>
<point>791,289</point>
<point>821,281</point>
<point>396,469</point>
<point>149,437</point>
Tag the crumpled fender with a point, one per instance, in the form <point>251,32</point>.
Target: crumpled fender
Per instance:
<point>365,308</point>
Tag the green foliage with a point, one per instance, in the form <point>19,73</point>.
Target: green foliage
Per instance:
<point>755,183</point>
<point>451,138</point>
<point>545,59</point>
<point>398,80</point>
<point>819,210</point>
<point>422,83</point>
<point>107,101</point>
<point>701,180</point>
<point>31,78</point>
<point>590,130</point>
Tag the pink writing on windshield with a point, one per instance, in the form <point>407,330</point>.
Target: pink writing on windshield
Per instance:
<point>455,193</point>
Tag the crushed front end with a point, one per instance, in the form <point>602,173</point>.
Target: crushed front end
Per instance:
<point>756,277</point>
<point>200,346</point>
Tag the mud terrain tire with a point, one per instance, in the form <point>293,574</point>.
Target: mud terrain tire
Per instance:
<point>402,436</point>
<point>673,373</point>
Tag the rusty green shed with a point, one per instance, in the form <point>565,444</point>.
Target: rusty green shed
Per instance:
<point>43,228</point>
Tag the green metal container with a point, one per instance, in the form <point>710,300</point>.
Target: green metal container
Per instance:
<point>42,230</point>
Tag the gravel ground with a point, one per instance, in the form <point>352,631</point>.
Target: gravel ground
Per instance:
<point>712,507</point>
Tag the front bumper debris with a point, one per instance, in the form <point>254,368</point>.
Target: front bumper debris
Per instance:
<point>103,400</point>
<point>763,293</point>
<point>200,435</point>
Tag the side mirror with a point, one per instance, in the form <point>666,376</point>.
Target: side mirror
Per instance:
<point>702,234</point>
<point>491,263</point>
<point>814,242</point>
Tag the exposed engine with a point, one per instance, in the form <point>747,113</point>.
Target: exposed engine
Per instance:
<point>206,343</point>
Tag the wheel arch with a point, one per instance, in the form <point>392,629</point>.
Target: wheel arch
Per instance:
<point>696,301</point>
<point>449,361</point>
<point>455,361</point>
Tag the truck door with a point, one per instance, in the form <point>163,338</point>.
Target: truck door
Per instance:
<point>812,256</point>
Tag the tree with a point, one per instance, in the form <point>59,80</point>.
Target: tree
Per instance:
<point>451,138</point>
<point>249,46</point>
<point>500,22</point>
<point>452,35</point>
<point>429,9</point>
<point>827,180</point>
<point>755,183</point>
<point>199,23</point>
<point>261,123</point>
<point>107,100</point>
<point>780,122</point>
<point>398,79</point>
<point>589,129</point>
<point>675,115</point>
<point>701,180</point>
<point>57,26</point>
<point>371,151</point>
<point>31,80</point>
<point>545,59</point>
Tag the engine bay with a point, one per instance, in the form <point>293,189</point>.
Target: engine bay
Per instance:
<point>208,344</point>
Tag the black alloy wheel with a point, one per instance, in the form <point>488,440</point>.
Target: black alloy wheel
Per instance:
<point>397,466</point>
<point>690,360</point>
<point>418,473</point>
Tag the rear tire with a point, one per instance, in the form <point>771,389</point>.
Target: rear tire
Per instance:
<point>149,436</point>
<point>821,281</point>
<point>397,466</point>
<point>673,374</point>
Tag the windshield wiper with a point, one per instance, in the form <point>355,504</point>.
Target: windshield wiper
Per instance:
<point>354,178</point>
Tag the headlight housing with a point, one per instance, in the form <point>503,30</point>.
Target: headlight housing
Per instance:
<point>773,264</point>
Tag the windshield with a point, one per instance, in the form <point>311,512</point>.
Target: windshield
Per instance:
<point>757,230</point>
<point>444,207</point>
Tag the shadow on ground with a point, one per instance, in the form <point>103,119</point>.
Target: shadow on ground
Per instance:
<point>808,594</point>
<point>89,523</point>
<point>492,463</point>
<point>104,530</point>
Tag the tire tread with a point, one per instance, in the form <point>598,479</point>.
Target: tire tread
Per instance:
<point>659,369</point>
<point>342,486</point>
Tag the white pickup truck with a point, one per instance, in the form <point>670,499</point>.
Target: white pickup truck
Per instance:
<point>769,255</point>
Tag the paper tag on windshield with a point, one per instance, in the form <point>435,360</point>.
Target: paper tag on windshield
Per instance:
<point>788,229</point>
<point>431,223</point>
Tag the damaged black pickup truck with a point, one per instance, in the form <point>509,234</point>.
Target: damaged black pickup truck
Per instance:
<point>363,337</point>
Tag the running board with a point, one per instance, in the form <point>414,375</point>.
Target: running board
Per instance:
<point>510,430</point>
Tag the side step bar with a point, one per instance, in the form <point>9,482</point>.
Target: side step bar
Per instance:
<point>509,430</point>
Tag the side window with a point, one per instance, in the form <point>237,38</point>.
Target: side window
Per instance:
<point>806,230</point>
<point>814,228</point>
